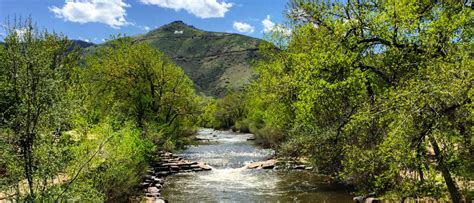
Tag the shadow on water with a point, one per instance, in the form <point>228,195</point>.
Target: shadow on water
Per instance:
<point>230,181</point>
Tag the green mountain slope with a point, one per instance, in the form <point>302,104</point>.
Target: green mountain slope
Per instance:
<point>216,62</point>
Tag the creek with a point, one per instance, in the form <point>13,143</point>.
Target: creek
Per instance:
<point>228,153</point>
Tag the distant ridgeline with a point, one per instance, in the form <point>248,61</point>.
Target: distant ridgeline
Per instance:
<point>79,43</point>
<point>216,62</point>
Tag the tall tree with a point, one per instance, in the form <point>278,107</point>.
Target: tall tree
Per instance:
<point>35,68</point>
<point>143,85</point>
<point>388,79</point>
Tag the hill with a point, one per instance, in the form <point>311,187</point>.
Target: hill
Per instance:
<point>82,44</point>
<point>216,62</point>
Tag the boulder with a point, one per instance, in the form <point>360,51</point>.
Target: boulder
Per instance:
<point>153,190</point>
<point>268,164</point>
<point>204,166</point>
<point>255,165</point>
<point>144,185</point>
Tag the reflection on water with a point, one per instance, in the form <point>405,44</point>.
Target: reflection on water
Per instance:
<point>229,181</point>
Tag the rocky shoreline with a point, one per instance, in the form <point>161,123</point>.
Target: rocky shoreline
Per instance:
<point>168,164</point>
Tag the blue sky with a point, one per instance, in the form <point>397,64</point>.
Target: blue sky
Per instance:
<point>96,20</point>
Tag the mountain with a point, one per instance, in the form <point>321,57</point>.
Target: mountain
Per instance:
<point>216,62</point>
<point>82,44</point>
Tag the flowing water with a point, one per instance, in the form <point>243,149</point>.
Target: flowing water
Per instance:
<point>229,180</point>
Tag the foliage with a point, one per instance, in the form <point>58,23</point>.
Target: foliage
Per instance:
<point>224,113</point>
<point>85,129</point>
<point>207,118</point>
<point>377,92</point>
<point>35,71</point>
<point>142,85</point>
<point>108,163</point>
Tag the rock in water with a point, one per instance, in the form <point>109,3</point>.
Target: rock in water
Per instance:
<point>204,166</point>
<point>153,190</point>
<point>254,165</point>
<point>269,164</point>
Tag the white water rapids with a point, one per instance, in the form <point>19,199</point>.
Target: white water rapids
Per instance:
<point>229,181</point>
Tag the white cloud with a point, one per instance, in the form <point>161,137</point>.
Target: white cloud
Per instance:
<point>267,24</point>
<point>146,28</point>
<point>110,12</point>
<point>199,8</point>
<point>243,27</point>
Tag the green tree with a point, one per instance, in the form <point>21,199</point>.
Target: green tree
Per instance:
<point>389,80</point>
<point>35,71</point>
<point>131,80</point>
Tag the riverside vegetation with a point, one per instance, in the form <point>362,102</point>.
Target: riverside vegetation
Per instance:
<point>85,128</point>
<point>377,94</point>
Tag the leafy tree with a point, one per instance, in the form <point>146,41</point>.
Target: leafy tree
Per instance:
<point>207,117</point>
<point>35,71</point>
<point>131,80</point>
<point>389,80</point>
<point>224,113</point>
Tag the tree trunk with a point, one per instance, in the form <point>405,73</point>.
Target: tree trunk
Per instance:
<point>453,190</point>
<point>26,151</point>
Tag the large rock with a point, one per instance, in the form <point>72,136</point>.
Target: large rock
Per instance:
<point>144,185</point>
<point>204,166</point>
<point>268,164</point>
<point>153,190</point>
<point>255,165</point>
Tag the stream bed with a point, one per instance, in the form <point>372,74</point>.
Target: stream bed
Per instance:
<point>229,181</point>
